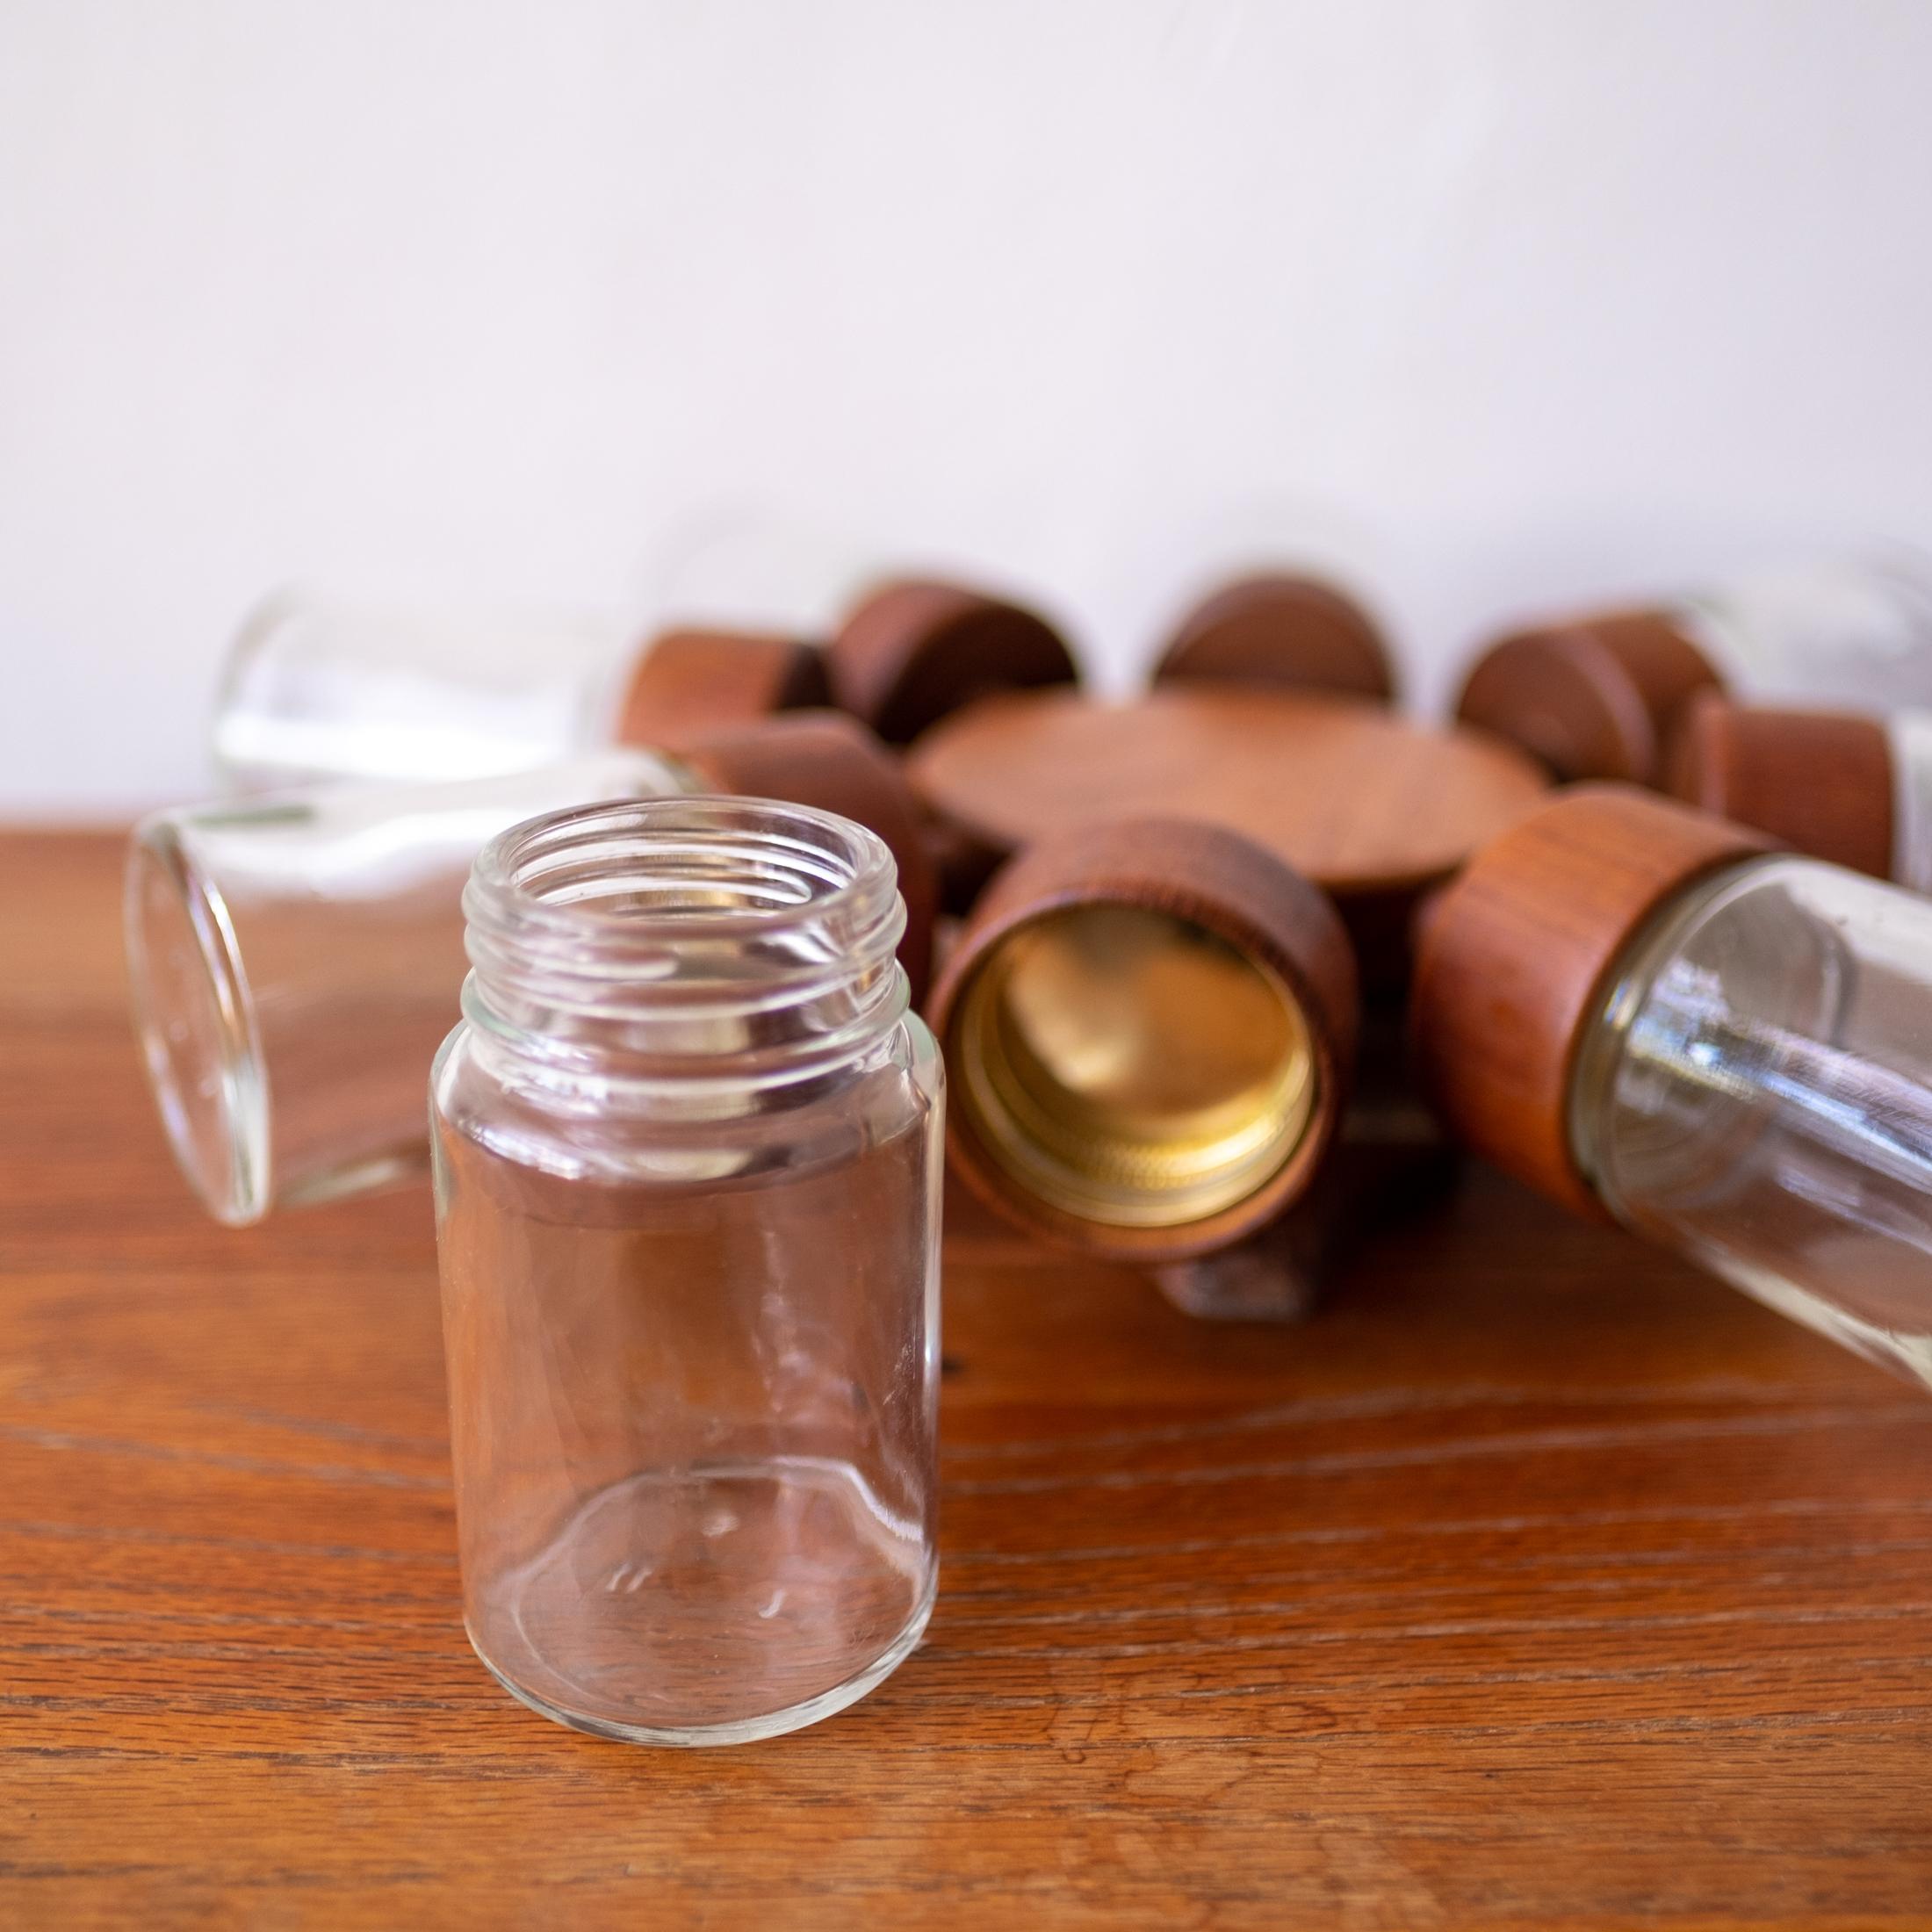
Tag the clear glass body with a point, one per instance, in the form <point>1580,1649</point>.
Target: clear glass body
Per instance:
<point>1849,630</point>
<point>688,1162</point>
<point>1758,1092</point>
<point>316,688</point>
<point>295,961</point>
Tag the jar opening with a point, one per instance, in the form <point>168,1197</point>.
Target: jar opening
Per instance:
<point>195,1021</point>
<point>1132,1067</point>
<point>686,928</point>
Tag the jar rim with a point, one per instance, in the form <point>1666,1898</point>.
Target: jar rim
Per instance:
<point>501,882</point>
<point>703,936</point>
<point>200,1041</point>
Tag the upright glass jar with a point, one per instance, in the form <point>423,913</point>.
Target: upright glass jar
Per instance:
<point>1639,1010</point>
<point>687,1145</point>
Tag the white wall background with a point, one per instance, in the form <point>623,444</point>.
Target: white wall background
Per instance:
<point>1495,303</point>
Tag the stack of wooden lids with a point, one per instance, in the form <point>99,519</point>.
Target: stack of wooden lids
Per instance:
<point>1150,1013</point>
<point>1826,783</point>
<point>1595,696</point>
<point>1633,695</point>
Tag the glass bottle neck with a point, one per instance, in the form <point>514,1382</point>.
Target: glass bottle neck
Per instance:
<point>683,941</point>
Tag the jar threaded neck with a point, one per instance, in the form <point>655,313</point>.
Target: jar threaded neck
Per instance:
<point>685,938</point>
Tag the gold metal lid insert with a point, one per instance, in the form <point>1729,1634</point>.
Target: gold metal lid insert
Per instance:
<point>1131,1067</point>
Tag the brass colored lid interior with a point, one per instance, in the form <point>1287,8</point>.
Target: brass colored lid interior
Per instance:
<point>1131,1067</point>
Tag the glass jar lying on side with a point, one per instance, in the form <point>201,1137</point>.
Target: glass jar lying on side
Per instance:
<point>294,962</point>
<point>295,959</point>
<point>315,688</point>
<point>1644,1014</point>
<point>687,1157</point>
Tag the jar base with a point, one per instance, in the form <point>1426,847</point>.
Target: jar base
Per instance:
<point>796,1716</point>
<point>713,1603</point>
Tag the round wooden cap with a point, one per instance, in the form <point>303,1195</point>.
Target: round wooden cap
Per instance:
<point>1357,799</point>
<point>1149,1030</point>
<point>1280,629</point>
<point>828,760</point>
<point>1515,959</point>
<point>689,681</point>
<point>1595,698</point>
<point>1819,781</point>
<point>914,650</point>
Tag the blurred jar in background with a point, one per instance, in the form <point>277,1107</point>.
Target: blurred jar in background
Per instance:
<point>316,691</point>
<point>295,958</point>
<point>688,1156</point>
<point>317,688</point>
<point>1600,694</point>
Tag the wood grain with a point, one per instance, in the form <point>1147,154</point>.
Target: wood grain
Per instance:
<point>914,650</point>
<point>1516,959</point>
<point>1819,781</point>
<point>1536,1581</point>
<point>1594,697</point>
<point>1230,887</point>
<point>1275,630</point>
<point>1359,800</point>
<point>687,682</point>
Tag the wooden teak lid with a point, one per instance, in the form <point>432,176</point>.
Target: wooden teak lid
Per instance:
<point>1592,698</point>
<point>1275,629</point>
<point>1515,959</point>
<point>1150,1030</point>
<point>1356,798</point>
<point>689,681</point>
<point>1819,781</point>
<point>915,650</point>
<point>828,760</point>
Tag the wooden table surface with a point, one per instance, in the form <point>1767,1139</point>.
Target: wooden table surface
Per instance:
<point>1538,1581</point>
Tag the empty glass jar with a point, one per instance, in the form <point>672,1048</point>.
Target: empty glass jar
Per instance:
<point>316,687</point>
<point>295,957</point>
<point>294,962</point>
<point>1846,627</point>
<point>1638,1010</point>
<point>688,1155</point>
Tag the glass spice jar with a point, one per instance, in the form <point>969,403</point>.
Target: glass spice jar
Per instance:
<point>1643,1012</point>
<point>317,688</point>
<point>687,1169</point>
<point>294,958</point>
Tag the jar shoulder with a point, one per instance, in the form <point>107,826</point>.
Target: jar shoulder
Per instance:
<point>601,1132</point>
